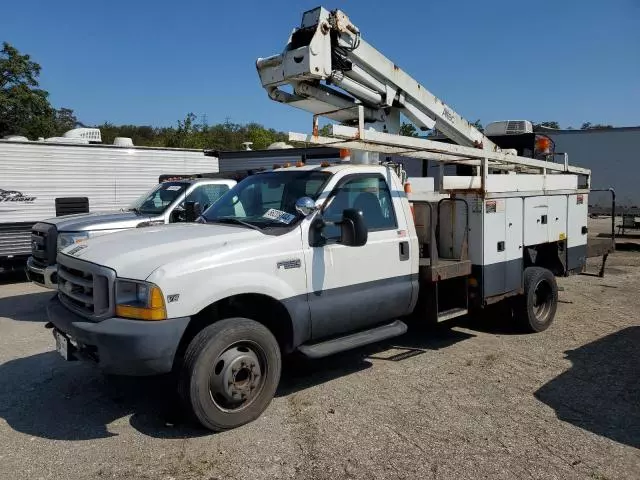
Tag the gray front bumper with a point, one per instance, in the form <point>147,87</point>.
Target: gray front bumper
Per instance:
<point>45,277</point>
<point>119,345</point>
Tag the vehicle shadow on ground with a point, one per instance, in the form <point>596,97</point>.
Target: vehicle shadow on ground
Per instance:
<point>30,307</point>
<point>495,319</point>
<point>44,396</point>
<point>601,391</point>
<point>300,373</point>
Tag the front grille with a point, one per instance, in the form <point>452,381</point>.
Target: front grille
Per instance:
<point>38,244</point>
<point>85,288</point>
<point>43,243</point>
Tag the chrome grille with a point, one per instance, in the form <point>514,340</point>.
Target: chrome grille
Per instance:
<point>85,288</point>
<point>38,244</point>
<point>43,243</point>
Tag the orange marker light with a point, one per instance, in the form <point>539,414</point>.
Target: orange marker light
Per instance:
<point>543,144</point>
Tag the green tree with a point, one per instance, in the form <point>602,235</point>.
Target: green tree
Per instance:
<point>24,106</point>
<point>408,130</point>
<point>594,126</point>
<point>65,120</point>
<point>325,130</point>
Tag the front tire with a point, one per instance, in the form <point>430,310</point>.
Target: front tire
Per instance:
<point>230,373</point>
<point>536,308</point>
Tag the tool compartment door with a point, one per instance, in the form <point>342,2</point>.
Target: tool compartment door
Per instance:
<point>557,218</point>
<point>577,231</point>
<point>513,244</point>
<point>494,255</point>
<point>536,220</point>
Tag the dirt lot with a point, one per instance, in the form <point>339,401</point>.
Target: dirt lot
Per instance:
<point>473,400</point>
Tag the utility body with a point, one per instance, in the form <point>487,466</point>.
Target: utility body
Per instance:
<point>321,259</point>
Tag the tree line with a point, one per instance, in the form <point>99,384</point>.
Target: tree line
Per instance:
<point>25,110</point>
<point>410,130</point>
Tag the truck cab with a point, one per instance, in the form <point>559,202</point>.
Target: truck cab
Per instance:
<point>163,204</point>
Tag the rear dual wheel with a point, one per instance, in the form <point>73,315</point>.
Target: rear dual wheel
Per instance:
<point>536,308</point>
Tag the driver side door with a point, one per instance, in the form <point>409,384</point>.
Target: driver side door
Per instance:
<point>354,288</point>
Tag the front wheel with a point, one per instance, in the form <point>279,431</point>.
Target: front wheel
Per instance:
<point>536,308</point>
<point>230,373</point>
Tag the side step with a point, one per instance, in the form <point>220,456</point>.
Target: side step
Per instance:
<point>452,313</point>
<point>329,347</point>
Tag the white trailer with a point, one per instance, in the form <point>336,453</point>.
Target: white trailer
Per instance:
<point>33,174</point>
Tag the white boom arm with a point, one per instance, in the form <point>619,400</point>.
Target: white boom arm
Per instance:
<point>328,48</point>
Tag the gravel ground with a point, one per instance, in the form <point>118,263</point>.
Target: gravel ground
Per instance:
<point>472,400</point>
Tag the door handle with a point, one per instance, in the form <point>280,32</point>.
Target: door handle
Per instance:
<point>404,251</point>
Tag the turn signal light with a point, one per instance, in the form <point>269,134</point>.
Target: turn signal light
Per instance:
<point>155,309</point>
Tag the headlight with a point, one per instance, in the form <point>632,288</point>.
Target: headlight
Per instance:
<point>139,300</point>
<point>69,238</point>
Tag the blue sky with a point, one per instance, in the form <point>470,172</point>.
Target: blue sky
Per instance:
<point>147,62</point>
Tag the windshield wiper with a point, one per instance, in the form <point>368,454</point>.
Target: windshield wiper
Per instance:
<point>236,221</point>
<point>134,210</point>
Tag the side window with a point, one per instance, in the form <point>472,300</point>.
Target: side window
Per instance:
<point>368,194</point>
<point>207,195</point>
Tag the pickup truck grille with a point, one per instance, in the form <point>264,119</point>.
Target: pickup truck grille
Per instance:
<point>85,288</point>
<point>44,237</point>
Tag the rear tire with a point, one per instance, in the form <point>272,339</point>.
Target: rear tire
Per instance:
<point>230,373</point>
<point>536,308</point>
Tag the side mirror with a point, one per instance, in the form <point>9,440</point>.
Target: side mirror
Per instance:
<point>192,211</point>
<point>177,215</point>
<point>305,206</point>
<point>353,229</point>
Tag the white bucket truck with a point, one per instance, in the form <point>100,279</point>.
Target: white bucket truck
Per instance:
<point>321,259</point>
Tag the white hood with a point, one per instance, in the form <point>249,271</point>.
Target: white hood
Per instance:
<point>138,252</point>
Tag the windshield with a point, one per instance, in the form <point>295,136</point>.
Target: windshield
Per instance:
<point>159,198</point>
<point>267,199</point>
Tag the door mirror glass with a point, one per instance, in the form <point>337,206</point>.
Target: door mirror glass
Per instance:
<point>176,215</point>
<point>353,230</point>
<point>305,206</point>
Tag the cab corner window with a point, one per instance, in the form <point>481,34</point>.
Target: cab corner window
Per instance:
<point>368,194</point>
